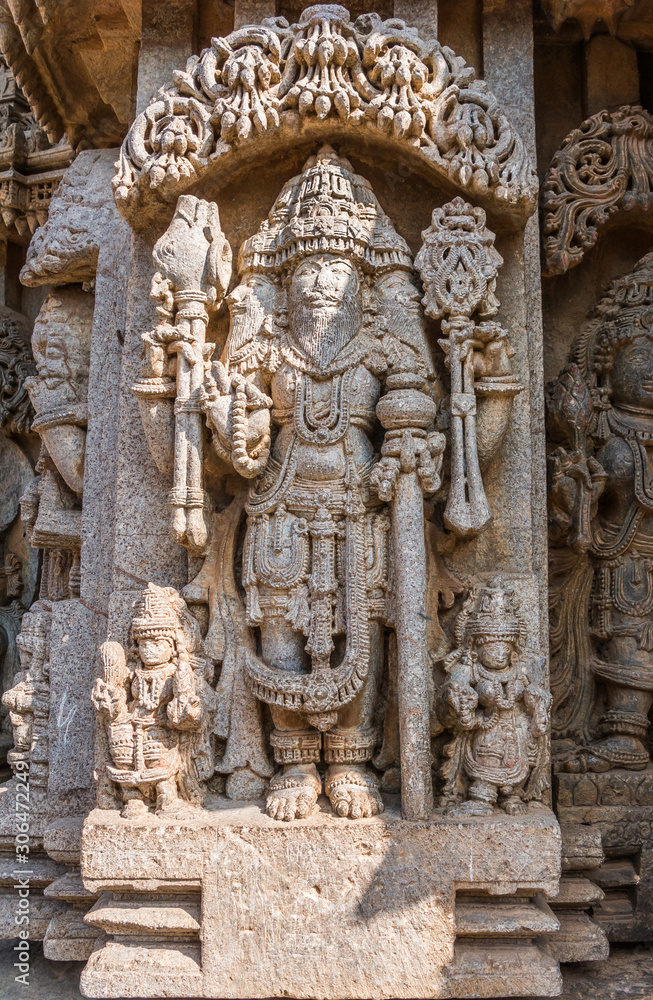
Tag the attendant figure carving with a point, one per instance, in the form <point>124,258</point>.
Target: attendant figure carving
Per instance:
<point>155,705</point>
<point>499,716</point>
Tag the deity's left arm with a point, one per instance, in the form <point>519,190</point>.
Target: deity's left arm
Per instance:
<point>193,260</point>
<point>537,702</point>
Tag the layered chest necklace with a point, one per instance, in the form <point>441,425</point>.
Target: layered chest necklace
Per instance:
<point>322,423</point>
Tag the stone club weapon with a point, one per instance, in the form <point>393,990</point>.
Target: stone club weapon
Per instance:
<point>410,465</point>
<point>193,258</point>
<point>458,265</point>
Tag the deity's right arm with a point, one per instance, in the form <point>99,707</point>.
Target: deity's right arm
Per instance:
<point>457,700</point>
<point>238,415</point>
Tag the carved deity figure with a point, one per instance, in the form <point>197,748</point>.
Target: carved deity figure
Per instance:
<point>155,704</point>
<point>499,716</point>
<point>324,403</point>
<point>601,511</point>
<point>28,701</point>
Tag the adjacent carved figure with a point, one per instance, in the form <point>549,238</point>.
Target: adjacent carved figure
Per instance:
<point>601,508</point>
<point>51,505</point>
<point>155,703</point>
<point>28,701</point>
<point>499,716</point>
<point>326,359</point>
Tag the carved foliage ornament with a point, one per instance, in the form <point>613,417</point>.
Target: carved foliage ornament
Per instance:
<point>601,167</point>
<point>16,365</point>
<point>373,73</point>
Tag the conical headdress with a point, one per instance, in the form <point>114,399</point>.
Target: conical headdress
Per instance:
<point>154,614</point>
<point>326,209</point>
<point>490,613</point>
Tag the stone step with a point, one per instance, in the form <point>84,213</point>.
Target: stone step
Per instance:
<point>581,847</point>
<point>504,918</point>
<point>616,874</point>
<point>70,887</point>
<point>143,969</point>
<point>41,870</point>
<point>580,939</point>
<point>577,892</point>
<point>68,938</point>
<point>41,912</point>
<point>151,918</point>
<point>504,968</point>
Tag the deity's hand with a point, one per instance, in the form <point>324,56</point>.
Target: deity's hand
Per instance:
<point>185,709</point>
<point>461,700</point>
<point>193,253</point>
<point>493,359</point>
<point>537,703</point>
<point>108,700</point>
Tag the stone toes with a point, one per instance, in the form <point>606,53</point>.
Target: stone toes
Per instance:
<point>272,808</point>
<point>341,807</point>
<point>304,806</point>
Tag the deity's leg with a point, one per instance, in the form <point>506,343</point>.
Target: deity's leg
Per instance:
<point>624,725</point>
<point>294,789</point>
<point>350,784</point>
<point>481,797</point>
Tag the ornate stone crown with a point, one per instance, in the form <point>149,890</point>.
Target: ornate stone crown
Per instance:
<point>490,613</point>
<point>326,209</point>
<point>154,614</point>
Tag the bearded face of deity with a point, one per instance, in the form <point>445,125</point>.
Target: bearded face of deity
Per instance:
<point>324,305</point>
<point>249,304</point>
<point>631,378</point>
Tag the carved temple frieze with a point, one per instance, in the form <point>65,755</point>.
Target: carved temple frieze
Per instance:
<point>324,75</point>
<point>297,719</point>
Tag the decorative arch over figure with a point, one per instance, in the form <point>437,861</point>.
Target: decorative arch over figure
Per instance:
<point>265,87</point>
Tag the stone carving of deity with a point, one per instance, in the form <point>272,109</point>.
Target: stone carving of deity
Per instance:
<point>324,404</point>
<point>155,705</point>
<point>500,718</point>
<point>601,508</point>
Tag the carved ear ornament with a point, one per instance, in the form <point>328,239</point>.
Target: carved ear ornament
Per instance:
<point>370,74</point>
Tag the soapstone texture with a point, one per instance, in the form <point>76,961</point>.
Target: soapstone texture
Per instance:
<point>275,605</point>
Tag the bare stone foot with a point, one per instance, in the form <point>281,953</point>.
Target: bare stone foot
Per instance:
<point>353,791</point>
<point>513,805</point>
<point>293,792</point>
<point>604,755</point>
<point>134,809</point>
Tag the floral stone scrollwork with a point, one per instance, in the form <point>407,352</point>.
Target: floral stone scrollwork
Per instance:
<point>601,167</point>
<point>371,74</point>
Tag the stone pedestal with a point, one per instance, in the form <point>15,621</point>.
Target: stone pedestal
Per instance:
<point>620,805</point>
<point>228,903</point>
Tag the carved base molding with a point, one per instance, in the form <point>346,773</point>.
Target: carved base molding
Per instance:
<point>228,903</point>
<point>618,805</point>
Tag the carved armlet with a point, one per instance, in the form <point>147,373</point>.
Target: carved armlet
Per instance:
<point>76,413</point>
<point>155,387</point>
